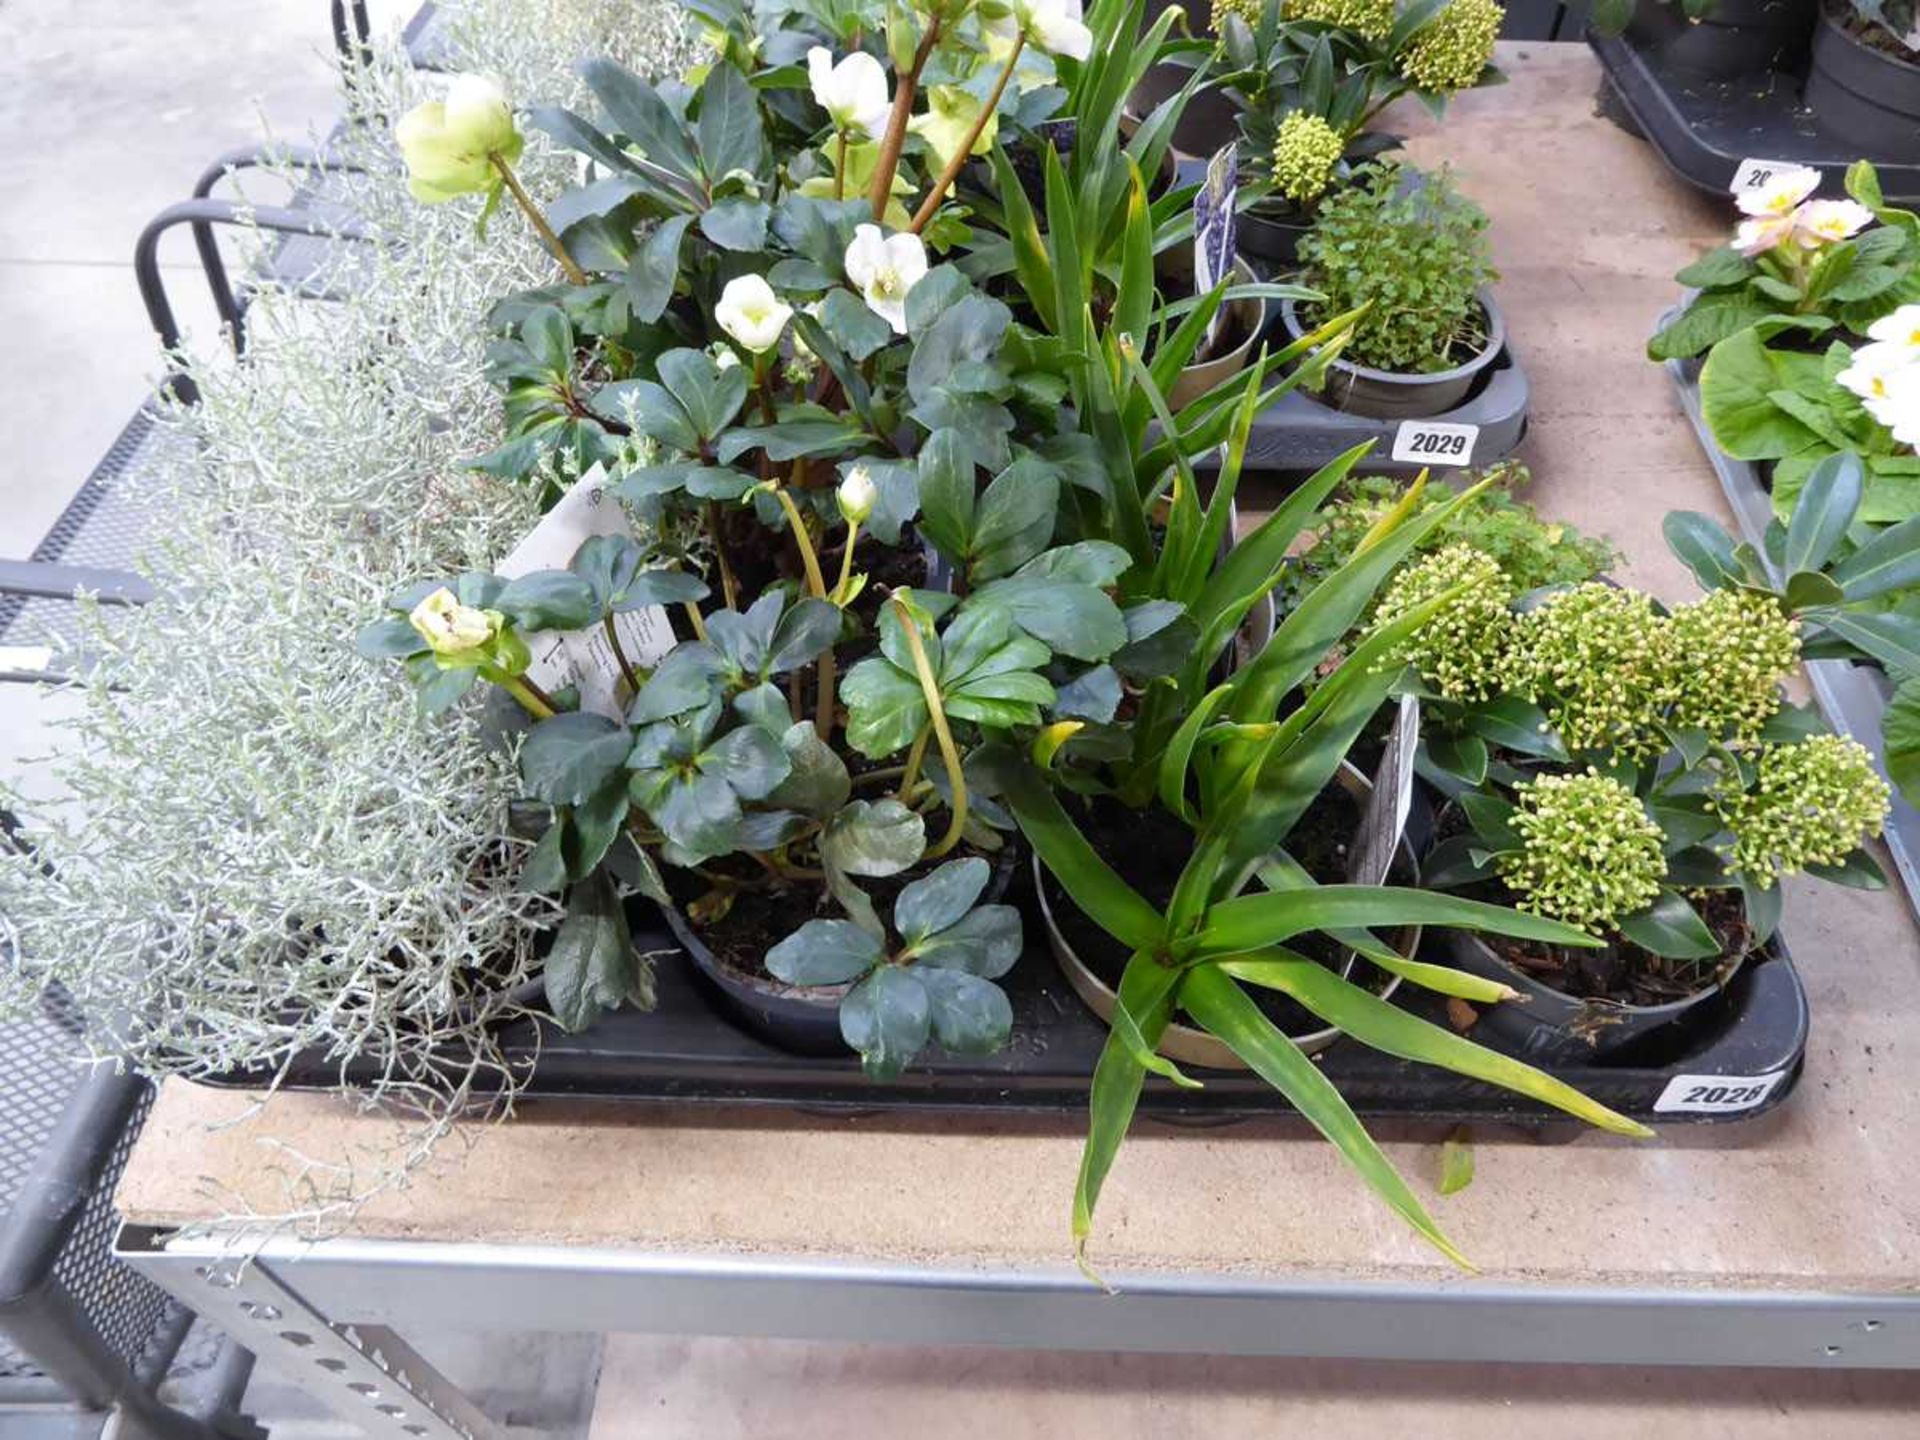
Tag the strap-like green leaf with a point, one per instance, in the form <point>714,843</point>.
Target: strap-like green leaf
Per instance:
<point>1113,904</point>
<point>1212,998</point>
<point>1146,990</point>
<point>1254,922</point>
<point>1392,1031</point>
<point>1173,764</point>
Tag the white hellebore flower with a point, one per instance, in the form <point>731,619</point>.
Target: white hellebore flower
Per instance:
<point>857,495</point>
<point>1826,222</point>
<point>886,268</point>
<point>1054,26</point>
<point>1780,195</point>
<point>751,313</point>
<point>449,145</point>
<point>1901,328</point>
<point>448,627</point>
<point>853,93</point>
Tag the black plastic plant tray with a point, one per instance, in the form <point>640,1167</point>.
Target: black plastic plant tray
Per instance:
<point>1704,128</point>
<point>1853,697</point>
<point>685,1051</point>
<point>1297,432</point>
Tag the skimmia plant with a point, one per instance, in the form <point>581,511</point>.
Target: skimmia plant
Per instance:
<point>1311,77</point>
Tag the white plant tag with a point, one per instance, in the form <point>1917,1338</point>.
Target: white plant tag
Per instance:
<point>584,657</point>
<point>1753,172</point>
<point>1716,1094</point>
<point>1435,442</point>
<point>1384,821</point>
<point>30,659</point>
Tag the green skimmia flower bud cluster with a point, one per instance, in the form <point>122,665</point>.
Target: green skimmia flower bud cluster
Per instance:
<point>1810,803</point>
<point>1459,652</point>
<point>1305,150</point>
<point>1590,853</point>
<point>1729,651</point>
<point>1594,658</point>
<point>1372,19</point>
<point>1451,53</point>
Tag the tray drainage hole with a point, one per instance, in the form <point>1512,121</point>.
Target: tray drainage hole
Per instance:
<point>361,1387</point>
<point>395,1411</point>
<point>414,1429</point>
<point>327,1362</point>
<point>254,1310</point>
<point>1869,1325</point>
<point>1833,1349</point>
<point>296,1337</point>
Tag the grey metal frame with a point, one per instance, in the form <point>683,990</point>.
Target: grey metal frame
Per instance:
<point>356,1287</point>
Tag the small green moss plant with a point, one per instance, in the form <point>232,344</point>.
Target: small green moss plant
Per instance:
<point>1370,18</point>
<point>1452,52</point>
<point>1809,804</point>
<point>1589,854</point>
<point>1595,659</point>
<point>1461,650</point>
<point>1730,651</point>
<point>1531,552</point>
<point>1305,151</point>
<point>1414,254</point>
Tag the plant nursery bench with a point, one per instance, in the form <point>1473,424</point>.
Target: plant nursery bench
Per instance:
<point>1791,1238</point>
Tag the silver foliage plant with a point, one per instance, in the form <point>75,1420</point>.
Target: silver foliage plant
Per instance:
<point>266,849</point>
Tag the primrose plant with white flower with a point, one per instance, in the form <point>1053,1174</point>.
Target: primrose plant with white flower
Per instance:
<point>1797,263</point>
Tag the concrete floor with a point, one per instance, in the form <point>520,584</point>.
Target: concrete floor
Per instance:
<point>110,108</point>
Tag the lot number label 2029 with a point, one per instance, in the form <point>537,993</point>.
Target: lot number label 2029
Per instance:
<point>1435,442</point>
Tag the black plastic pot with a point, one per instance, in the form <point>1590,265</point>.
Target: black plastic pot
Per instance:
<point>803,1019</point>
<point>1273,237</point>
<point>1737,37</point>
<point>1384,395</point>
<point>1864,95</point>
<point>1552,1026</point>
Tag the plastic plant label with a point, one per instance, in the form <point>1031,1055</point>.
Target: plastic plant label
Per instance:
<point>1435,442</point>
<point>1752,172</point>
<point>28,659</point>
<point>585,658</point>
<point>1384,821</point>
<point>1716,1094</point>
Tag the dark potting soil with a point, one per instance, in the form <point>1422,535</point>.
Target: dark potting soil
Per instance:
<point>1149,848</point>
<point>759,919</point>
<point>1874,37</point>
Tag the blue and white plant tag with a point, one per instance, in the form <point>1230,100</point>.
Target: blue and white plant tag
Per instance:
<point>584,657</point>
<point>1214,225</point>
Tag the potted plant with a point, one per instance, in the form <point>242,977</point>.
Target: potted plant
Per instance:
<point>1220,771</point>
<point>845,463</point>
<point>1864,81</point>
<point>1629,771</point>
<point>1714,39</point>
<point>1412,252</point>
<point>1304,81</point>
<point>1798,268</point>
